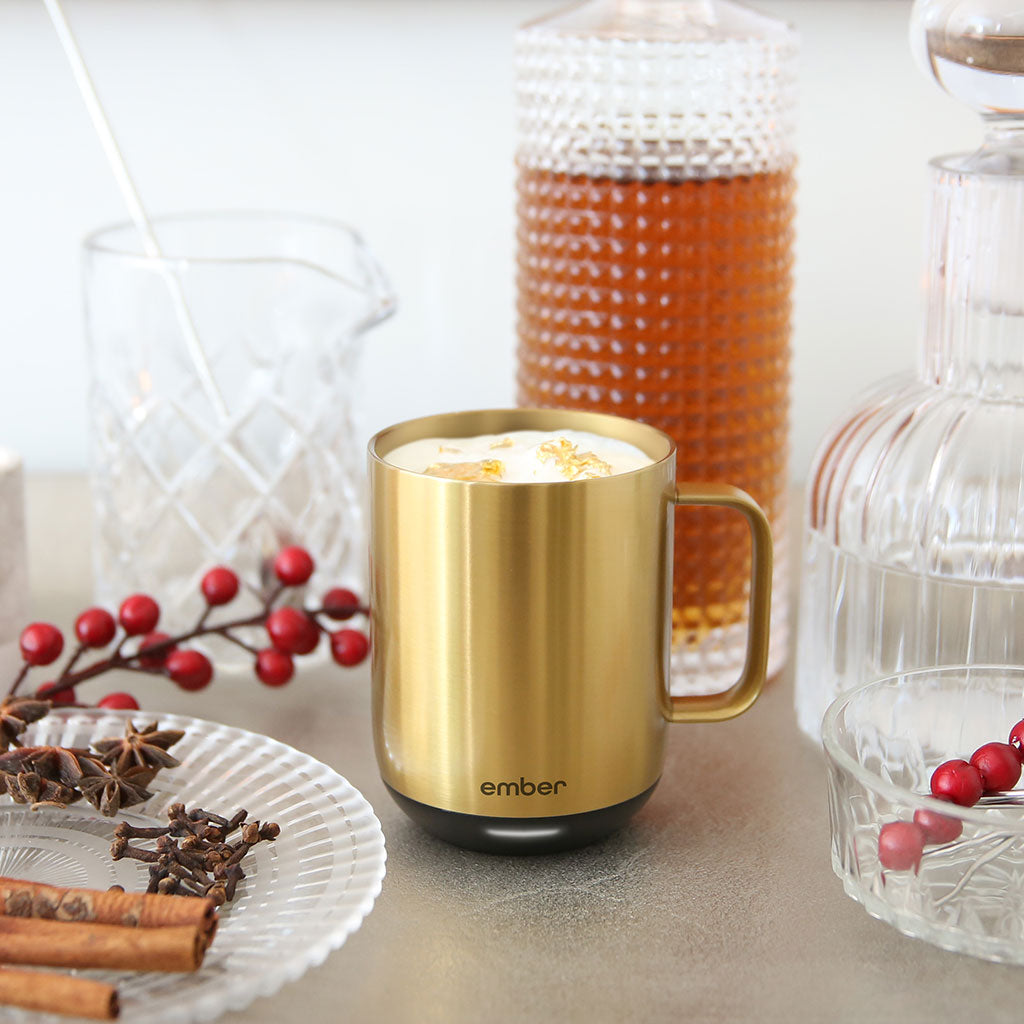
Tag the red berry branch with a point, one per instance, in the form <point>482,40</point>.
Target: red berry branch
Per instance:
<point>993,768</point>
<point>291,632</point>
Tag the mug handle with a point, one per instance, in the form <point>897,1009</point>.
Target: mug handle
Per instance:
<point>717,707</point>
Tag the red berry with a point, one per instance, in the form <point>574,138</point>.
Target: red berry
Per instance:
<point>900,845</point>
<point>139,614</point>
<point>1017,738</point>
<point>189,669</point>
<point>119,702</point>
<point>55,695</point>
<point>349,647</point>
<point>274,667</point>
<point>958,782</point>
<point>95,627</point>
<point>293,566</point>
<point>938,828</point>
<point>999,766</point>
<point>159,659</point>
<point>340,604</point>
<point>41,643</point>
<point>292,631</point>
<point>219,586</point>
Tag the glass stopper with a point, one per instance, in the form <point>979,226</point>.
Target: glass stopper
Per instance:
<point>975,50</point>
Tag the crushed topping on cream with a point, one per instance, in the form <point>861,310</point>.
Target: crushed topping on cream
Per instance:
<point>486,469</point>
<point>527,456</point>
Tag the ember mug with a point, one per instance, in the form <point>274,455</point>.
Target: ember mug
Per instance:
<point>521,636</point>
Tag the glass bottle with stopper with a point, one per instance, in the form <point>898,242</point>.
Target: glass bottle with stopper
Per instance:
<point>655,208</point>
<point>914,549</point>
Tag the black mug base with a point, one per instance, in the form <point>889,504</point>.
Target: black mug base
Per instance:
<point>521,835</point>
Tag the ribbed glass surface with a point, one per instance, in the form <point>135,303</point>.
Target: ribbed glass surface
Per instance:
<point>914,551</point>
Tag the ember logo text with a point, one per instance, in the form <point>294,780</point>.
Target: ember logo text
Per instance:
<point>521,788</point>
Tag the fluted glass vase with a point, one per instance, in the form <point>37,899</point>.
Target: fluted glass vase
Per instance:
<point>914,550</point>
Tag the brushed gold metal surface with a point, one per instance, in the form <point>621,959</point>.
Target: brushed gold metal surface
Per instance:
<point>521,631</point>
<point>717,707</point>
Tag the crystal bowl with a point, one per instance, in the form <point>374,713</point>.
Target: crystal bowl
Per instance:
<point>882,743</point>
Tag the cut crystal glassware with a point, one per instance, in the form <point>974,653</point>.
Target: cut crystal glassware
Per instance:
<point>278,304</point>
<point>655,184</point>
<point>303,895</point>
<point>914,546</point>
<point>882,743</point>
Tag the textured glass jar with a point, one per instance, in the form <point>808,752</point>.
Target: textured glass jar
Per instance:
<point>655,213</point>
<point>914,551</point>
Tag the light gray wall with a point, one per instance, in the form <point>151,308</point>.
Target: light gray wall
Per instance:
<point>397,117</point>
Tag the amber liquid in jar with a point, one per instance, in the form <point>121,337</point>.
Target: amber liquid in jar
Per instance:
<point>669,302</point>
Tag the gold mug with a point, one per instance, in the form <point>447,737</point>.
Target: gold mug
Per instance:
<point>521,636</point>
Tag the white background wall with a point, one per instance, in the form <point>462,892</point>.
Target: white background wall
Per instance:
<point>396,115</point>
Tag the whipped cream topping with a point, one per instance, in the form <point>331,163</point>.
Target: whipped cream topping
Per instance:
<point>520,456</point>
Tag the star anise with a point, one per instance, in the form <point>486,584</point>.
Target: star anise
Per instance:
<point>109,791</point>
<point>47,775</point>
<point>31,788</point>
<point>139,748</point>
<point>64,765</point>
<point>15,715</point>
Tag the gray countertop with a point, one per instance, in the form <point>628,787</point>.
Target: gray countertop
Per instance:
<point>717,904</point>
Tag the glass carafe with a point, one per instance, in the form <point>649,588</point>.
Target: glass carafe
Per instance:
<point>655,206</point>
<point>914,551</point>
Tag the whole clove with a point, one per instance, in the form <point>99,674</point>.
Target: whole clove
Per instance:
<point>124,829</point>
<point>120,848</point>
<point>192,855</point>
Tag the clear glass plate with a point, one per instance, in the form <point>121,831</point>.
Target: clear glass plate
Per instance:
<point>303,895</point>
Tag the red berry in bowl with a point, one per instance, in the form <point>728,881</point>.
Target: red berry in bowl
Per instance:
<point>958,782</point>
<point>119,702</point>
<point>95,627</point>
<point>340,604</point>
<point>349,647</point>
<point>41,643</point>
<point>219,586</point>
<point>191,670</point>
<point>293,566</point>
<point>292,631</point>
<point>900,845</point>
<point>139,614</point>
<point>1017,738</point>
<point>999,766</point>
<point>938,828</point>
<point>56,694</point>
<point>274,667</point>
<point>159,658</point>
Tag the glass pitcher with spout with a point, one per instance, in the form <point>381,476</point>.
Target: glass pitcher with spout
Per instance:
<point>221,401</point>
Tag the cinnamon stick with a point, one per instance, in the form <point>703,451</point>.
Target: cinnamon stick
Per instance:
<point>19,898</point>
<point>58,993</point>
<point>33,940</point>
